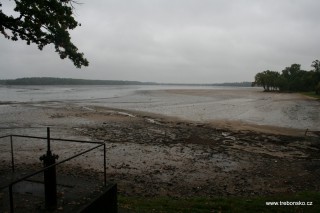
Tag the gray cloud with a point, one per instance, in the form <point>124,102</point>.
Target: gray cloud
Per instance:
<point>178,41</point>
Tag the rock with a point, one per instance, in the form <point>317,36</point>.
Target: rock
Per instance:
<point>225,134</point>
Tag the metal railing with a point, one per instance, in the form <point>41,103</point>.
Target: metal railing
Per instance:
<point>10,185</point>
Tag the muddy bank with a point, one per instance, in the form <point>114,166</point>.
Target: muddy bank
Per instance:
<point>152,155</point>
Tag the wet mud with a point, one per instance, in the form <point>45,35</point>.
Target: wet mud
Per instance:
<point>154,156</point>
<point>150,154</point>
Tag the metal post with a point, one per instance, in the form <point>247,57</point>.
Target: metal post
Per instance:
<point>104,165</point>
<point>50,181</point>
<point>12,157</point>
<point>48,139</point>
<point>11,198</point>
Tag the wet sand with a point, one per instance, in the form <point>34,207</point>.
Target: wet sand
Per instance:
<point>200,104</point>
<point>152,154</point>
<point>242,106</point>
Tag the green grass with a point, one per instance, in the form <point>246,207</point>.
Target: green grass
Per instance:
<point>311,94</point>
<point>230,204</point>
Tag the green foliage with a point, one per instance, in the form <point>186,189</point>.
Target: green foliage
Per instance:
<point>292,79</point>
<point>316,65</point>
<point>318,88</point>
<point>224,204</point>
<point>268,79</point>
<point>42,23</point>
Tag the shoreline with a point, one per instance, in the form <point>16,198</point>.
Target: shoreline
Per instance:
<point>92,112</point>
<point>150,154</point>
<point>245,105</point>
<point>231,125</point>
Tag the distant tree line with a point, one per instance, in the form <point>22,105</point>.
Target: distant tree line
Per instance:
<point>291,79</point>
<point>71,81</point>
<point>68,81</point>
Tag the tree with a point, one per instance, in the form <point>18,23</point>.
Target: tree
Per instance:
<point>42,23</point>
<point>292,79</point>
<point>260,80</point>
<point>268,79</point>
<point>292,71</point>
<point>282,83</point>
<point>272,80</point>
<point>316,65</point>
<point>316,68</point>
<point>293,76</point>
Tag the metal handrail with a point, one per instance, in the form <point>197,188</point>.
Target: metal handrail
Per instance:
<point>5,136</point>
<point>58,163</point>
<point>55,139</point>
<point>11,145</point>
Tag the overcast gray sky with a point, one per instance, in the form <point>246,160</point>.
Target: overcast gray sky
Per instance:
<point>182,41</point>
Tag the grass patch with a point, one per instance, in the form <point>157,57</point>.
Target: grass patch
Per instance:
<point>230,204</point>
<point>311,94</point>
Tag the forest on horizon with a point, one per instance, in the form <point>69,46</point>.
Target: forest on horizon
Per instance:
<point>71,81</point>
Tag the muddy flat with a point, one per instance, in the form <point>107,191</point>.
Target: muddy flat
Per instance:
<point>200,104</point>
<point>151,153</point>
